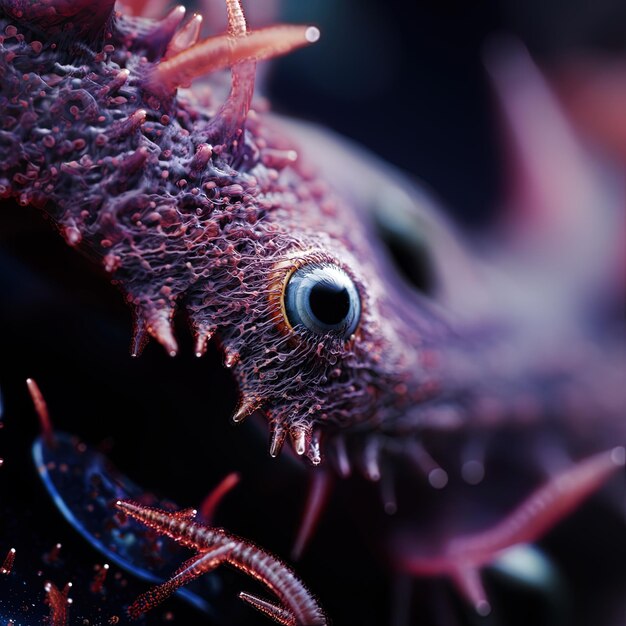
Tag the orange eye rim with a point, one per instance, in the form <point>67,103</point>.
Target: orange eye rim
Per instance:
<point>280,276</point>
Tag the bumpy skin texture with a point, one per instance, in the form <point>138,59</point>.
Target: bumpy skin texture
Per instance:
<point>187,209</point>
<point>179,222</point>
<point>188,205</point>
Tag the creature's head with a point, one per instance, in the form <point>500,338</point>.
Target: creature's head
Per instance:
<point>207,208</point>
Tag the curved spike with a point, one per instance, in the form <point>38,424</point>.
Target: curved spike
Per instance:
<point>224,51</point>
<point>140,335</point>
<point>236,19</point>
<point>202,332</point>
<point>231,358</point>
<point>194,567</point>
<point>436,475</point>
<point>341,457</point>
<point>299,436</point>
<point>158,322</point>
<point>8,562</point>
<point>313,452</point>
<point>371,465</point>
<point>159,38</point>
<point>202,340</point>
<point>277,439</point>
<point>247,406</point>
<point>470,586</point>
<point>185,38</point>
<point>39,402</point>
<point>59,602</point>
<point>170,23</point>
<point>228,122</point>
<point>319,491</point>
<point>215,497</point>
<point>275,612</point>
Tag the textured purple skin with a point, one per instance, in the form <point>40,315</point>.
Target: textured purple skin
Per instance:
<point>185,212</point>
<point>182,217</point>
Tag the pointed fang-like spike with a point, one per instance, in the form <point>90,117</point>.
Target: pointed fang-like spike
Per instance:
<point>139,341</point>
<point>224,51</point>
<point>277,439</point>
<point>159,38</point>
<point>215,497</point>
<point>341,457</point>
<point>371,460</point>
<point>159,325</point>
<point>39,402</point>
<point>172,20</point>
<point>298,439</point>
<point>236,19</point>
<point>245,409</point>
<point>436,475</point>
<point>231,358</point>
<point>140,336</point>
<point>470,586</point>
<point>275,612</point>
<point>203,335</point>
<point>319,491</point>
<point>185,38</point>
<point>195,567</point>
<point>313,452</point>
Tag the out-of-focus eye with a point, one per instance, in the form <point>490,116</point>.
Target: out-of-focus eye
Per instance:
<point>323,298</point>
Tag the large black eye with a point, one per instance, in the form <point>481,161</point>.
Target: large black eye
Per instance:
<point>324,299</point>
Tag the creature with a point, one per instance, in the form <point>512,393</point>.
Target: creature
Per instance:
<point>192,201</point>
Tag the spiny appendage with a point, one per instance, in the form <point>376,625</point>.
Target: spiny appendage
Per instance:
<point>371,453</point>
<point>124,152</point>
<point>462,557</point>
<point>214,547</point>
<point>305,440</point>
<point>319,491</point>
<point>183,61</point>
<point>7,564</point>
<point>59,602</point>
<point>41,408</point>
<point>185,38</point>
<point>227,50</point>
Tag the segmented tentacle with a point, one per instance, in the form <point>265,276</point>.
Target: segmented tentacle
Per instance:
<point>216,546</point>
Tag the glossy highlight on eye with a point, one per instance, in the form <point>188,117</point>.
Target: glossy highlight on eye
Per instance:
<point>323,299</point>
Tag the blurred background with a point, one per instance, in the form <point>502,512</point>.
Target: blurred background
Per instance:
<point>406,79</point>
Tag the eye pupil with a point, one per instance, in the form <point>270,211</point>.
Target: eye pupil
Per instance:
<point>321,298</point>
<point>330,303</point>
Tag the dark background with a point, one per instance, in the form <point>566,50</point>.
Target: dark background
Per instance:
<point>406,80</point>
